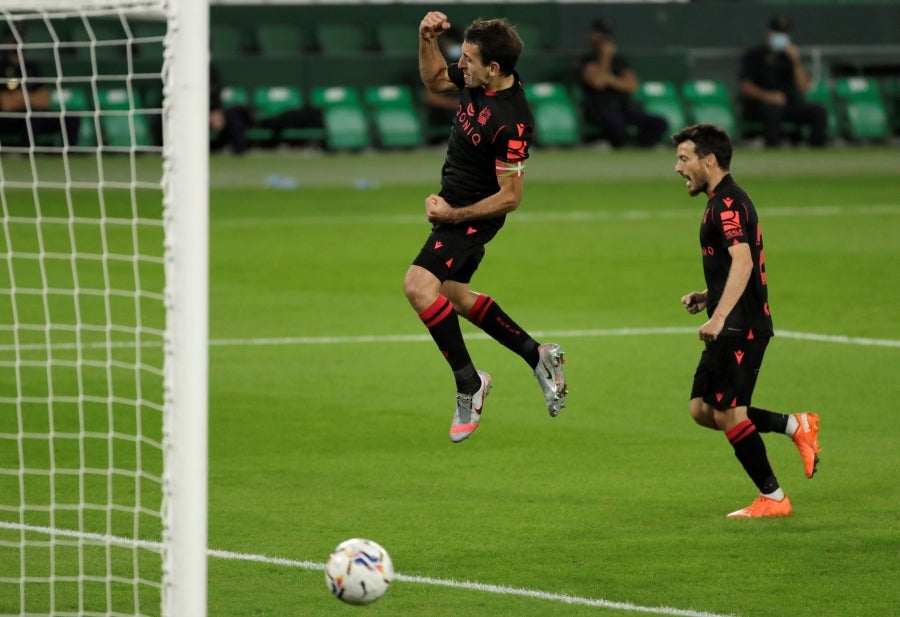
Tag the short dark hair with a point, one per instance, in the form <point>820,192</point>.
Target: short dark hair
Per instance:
<point>780,23</point>
<point>497,41</point>
<point>603,25</point>
<point>708,139</point>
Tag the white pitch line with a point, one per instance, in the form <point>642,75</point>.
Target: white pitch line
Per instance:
<point>840,339</point>
<point>420,580</point>
<point>588,333</point>
<point>556,216</point>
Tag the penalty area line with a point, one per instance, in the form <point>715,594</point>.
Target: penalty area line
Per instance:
<point>419,580</point>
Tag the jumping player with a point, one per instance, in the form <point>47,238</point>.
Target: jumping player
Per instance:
<point>481,181</point>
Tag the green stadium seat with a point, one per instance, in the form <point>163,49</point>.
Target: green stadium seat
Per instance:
<point>40,40</point>
<point>123,115</point>
<point>235,96</point>
<point>820,92</point>
<point>532,38</point>
<point>891,88</point>
<point>708,101</point>
<point>398,38</point>
<point>341,39</point>
<point>225,40</point>
<point>346,123</point>
<point>862,108</point>
<point>396,120</point>
<point>108,37</point>
<point>280,40</point>
<point>555,115</point>
<point>74,101</point>
<point>149,38</point>
<point>268,103</point>
<point>661,98</point>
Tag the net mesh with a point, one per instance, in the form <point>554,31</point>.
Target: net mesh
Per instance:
<point>82,315</point>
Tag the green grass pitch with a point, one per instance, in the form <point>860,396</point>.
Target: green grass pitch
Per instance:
<point>330,405</point>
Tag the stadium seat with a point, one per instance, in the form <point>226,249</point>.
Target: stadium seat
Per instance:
<point>74,100</point>
<point>124,113</point>
<point>225,40</point>
<point>235,96</point>
<point>346,124</point>
<point>106,38</point>
<point>555,116</point>
<point>397,38</point>
<point>40,40</point>
<point>891,89</point>
<point>820,92</point>
<point>340,39</point>
<point>280,40</point>
<point>270,102</point>
<point>708,101</point>
<point>532,38</point>
<point>862,108</point>
<point>149,34</point>
<point>661,98</point>
<point>396,121</point>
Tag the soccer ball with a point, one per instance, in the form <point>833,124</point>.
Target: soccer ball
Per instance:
<point>359,571</point>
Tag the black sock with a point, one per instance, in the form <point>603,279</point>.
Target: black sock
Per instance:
<point>767,421</point>
<point>751,452</point>
<point>487,315</point>
<point>443,325</point>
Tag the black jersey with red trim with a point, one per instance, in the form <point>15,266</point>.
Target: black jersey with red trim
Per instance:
<point>492,132</point>
<point>730,218</point>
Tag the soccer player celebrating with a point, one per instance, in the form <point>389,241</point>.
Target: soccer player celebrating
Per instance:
<point>481,181</point>
<point>739,323</point>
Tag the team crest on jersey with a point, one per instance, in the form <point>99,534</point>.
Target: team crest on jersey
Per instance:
<point>731,224</point>
<point>515,149</point>
<point>483,116</point>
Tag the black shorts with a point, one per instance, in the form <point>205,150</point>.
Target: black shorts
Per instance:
<point>453,252</point>
<point>726,375</point>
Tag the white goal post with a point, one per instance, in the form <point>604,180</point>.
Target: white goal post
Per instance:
<point>104,169</point>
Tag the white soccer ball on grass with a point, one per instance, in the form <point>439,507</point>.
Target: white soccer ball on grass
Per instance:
<point>359,571</point>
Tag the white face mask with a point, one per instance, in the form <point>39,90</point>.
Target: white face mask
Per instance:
<point>779,41</point>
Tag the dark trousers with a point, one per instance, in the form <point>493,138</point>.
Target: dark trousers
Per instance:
<point>14,130</point>
<point>234,133</point>
<point>615,123</point>
<point>772,117</point>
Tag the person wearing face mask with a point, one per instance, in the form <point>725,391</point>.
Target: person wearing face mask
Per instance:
<point>773,81</point>
<point>608,83</point>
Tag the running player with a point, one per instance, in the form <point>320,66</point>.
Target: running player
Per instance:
<point>739,323</point>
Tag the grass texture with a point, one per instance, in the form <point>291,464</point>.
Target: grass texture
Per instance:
<point>330,406</point>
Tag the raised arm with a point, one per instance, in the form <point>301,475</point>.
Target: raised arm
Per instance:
<point>432,66</point>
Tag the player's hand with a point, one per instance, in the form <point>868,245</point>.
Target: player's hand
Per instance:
<point>792,52</point>
<point>437,210</point>
<point>694,302</point>
<point>433,25</point>
<point>775,97</point>
<point>711,329</point>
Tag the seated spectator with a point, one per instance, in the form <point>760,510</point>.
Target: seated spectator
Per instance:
<point>19,94</point>
<point>773,81</point>
<point>608,83</point>
<point>229,123</point>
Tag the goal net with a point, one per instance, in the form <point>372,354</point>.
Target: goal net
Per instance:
<point>103,307</point>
